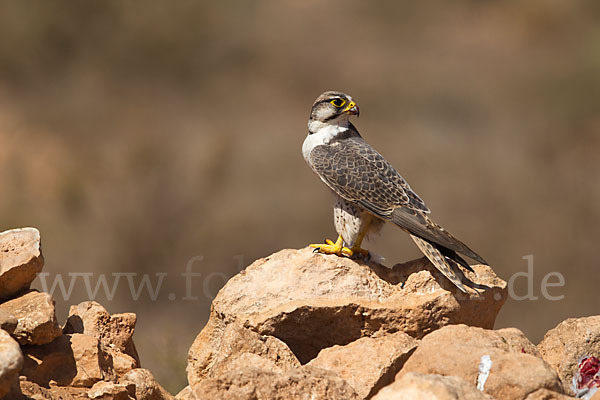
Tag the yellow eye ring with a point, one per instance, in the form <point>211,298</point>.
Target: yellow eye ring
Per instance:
<point>338,102</point>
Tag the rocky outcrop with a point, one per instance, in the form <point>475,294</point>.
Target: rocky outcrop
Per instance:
<point>20,260</point>
<point>144,385</point>
<point>219,345</point>
<point>11,362</point>
<point>314,301</point>
<point>36,318</point>
<point>298,325</point>
<point>415,386</point>
<point>368,364</point>
<point>251,382</point>
<point>356,321</point>
<point>566,345</point>
<point>92,357</point>
<point>496,360</point>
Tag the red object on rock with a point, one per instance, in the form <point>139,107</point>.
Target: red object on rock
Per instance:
<point>588,375</point>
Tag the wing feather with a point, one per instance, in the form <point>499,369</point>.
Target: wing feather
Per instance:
<point>358,173</point>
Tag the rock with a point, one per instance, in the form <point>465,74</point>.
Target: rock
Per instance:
<point>20,261</point>
<point>459,350</point>
<point>415,386</point>
<point>565,345</point>
<point>185,394</point>
<point>146,387</point>
<point>111,391</point>
<point>314,301</point>
<point>33,391</point>
<point>71,360</point>
<point>122,363</point>
<point>260,384</point>
<point>8,321</point>
<point>367,364</point>
<point>517,341</point>
<point>218,345</point>
<point>36,318</point>
<point>115,330</point>
<point>11,362</point>
<point>545,394</point>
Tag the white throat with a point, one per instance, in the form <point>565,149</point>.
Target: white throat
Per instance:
<point>322,133</point>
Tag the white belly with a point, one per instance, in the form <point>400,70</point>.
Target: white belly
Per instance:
<point>352,222</point>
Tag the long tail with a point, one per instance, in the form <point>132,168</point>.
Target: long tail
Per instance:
<point>444,264</point>
<point>419,224</point>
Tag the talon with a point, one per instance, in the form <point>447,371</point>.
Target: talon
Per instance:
<point>329,247</point>
<point>347,252</point>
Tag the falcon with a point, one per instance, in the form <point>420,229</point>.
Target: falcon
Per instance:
<point>370,192</point>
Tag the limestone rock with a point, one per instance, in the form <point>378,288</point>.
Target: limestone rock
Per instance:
<point>8,321</point>
<point>111,391</point>
<point>20,260</point>
<point>415,386</point>
<point>566,344</point>
<point>367,364</point>
<point>115,330</point>
<point>146,387</point>
<point>33,391</point>
<point>121,362</point>
<point>71,360</point>
<point>11,362</point>
<point>545,394</point>
<point>218,345</point>
<point>36,318</point>
<point>459,350</point>
<point>314,301</point>
<point>260,384</point>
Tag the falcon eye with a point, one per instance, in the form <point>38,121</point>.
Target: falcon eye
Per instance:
<point>338,102</point>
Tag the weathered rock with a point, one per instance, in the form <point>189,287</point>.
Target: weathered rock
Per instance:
<point>415,386</point>
<point>459,350</point>
<point>545,394</point>
<point>314,301</point>
<point>259,384</point>
<point>8,322</point>
<point>146,387</point>
<point>185,394</point>
<point>11,362</point>
<point>218,345</point>
<point>113,331</point>
<point>36,318</point>
<point>33,391</point>
<point>111,391</point>
<point>20,260</point>
<point>75,360</point>
<point>367,364</point>
<point>566,344</point>
<point>121,362</point>
<point>517,341</point>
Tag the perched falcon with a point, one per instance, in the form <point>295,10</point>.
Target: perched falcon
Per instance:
<point>370,192</point>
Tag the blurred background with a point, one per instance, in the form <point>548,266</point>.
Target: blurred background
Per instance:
<point>138,136</point>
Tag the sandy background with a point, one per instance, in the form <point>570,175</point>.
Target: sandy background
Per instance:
<point>140,135</point>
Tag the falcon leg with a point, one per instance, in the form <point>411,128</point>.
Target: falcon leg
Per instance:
<point>336,248</point>
<point>356,249</point>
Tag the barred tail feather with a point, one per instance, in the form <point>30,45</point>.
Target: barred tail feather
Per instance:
<point>444,265</point>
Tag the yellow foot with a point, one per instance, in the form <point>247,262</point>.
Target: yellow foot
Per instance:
<point>336,248</point>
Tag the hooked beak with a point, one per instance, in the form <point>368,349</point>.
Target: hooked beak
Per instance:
<point>352,109</point>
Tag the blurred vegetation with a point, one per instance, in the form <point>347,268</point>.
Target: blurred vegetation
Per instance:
<point>137,135</point>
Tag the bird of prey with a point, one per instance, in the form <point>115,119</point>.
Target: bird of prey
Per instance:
<point>369,191</point>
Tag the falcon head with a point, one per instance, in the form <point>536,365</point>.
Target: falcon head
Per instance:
<point>333,108</point>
